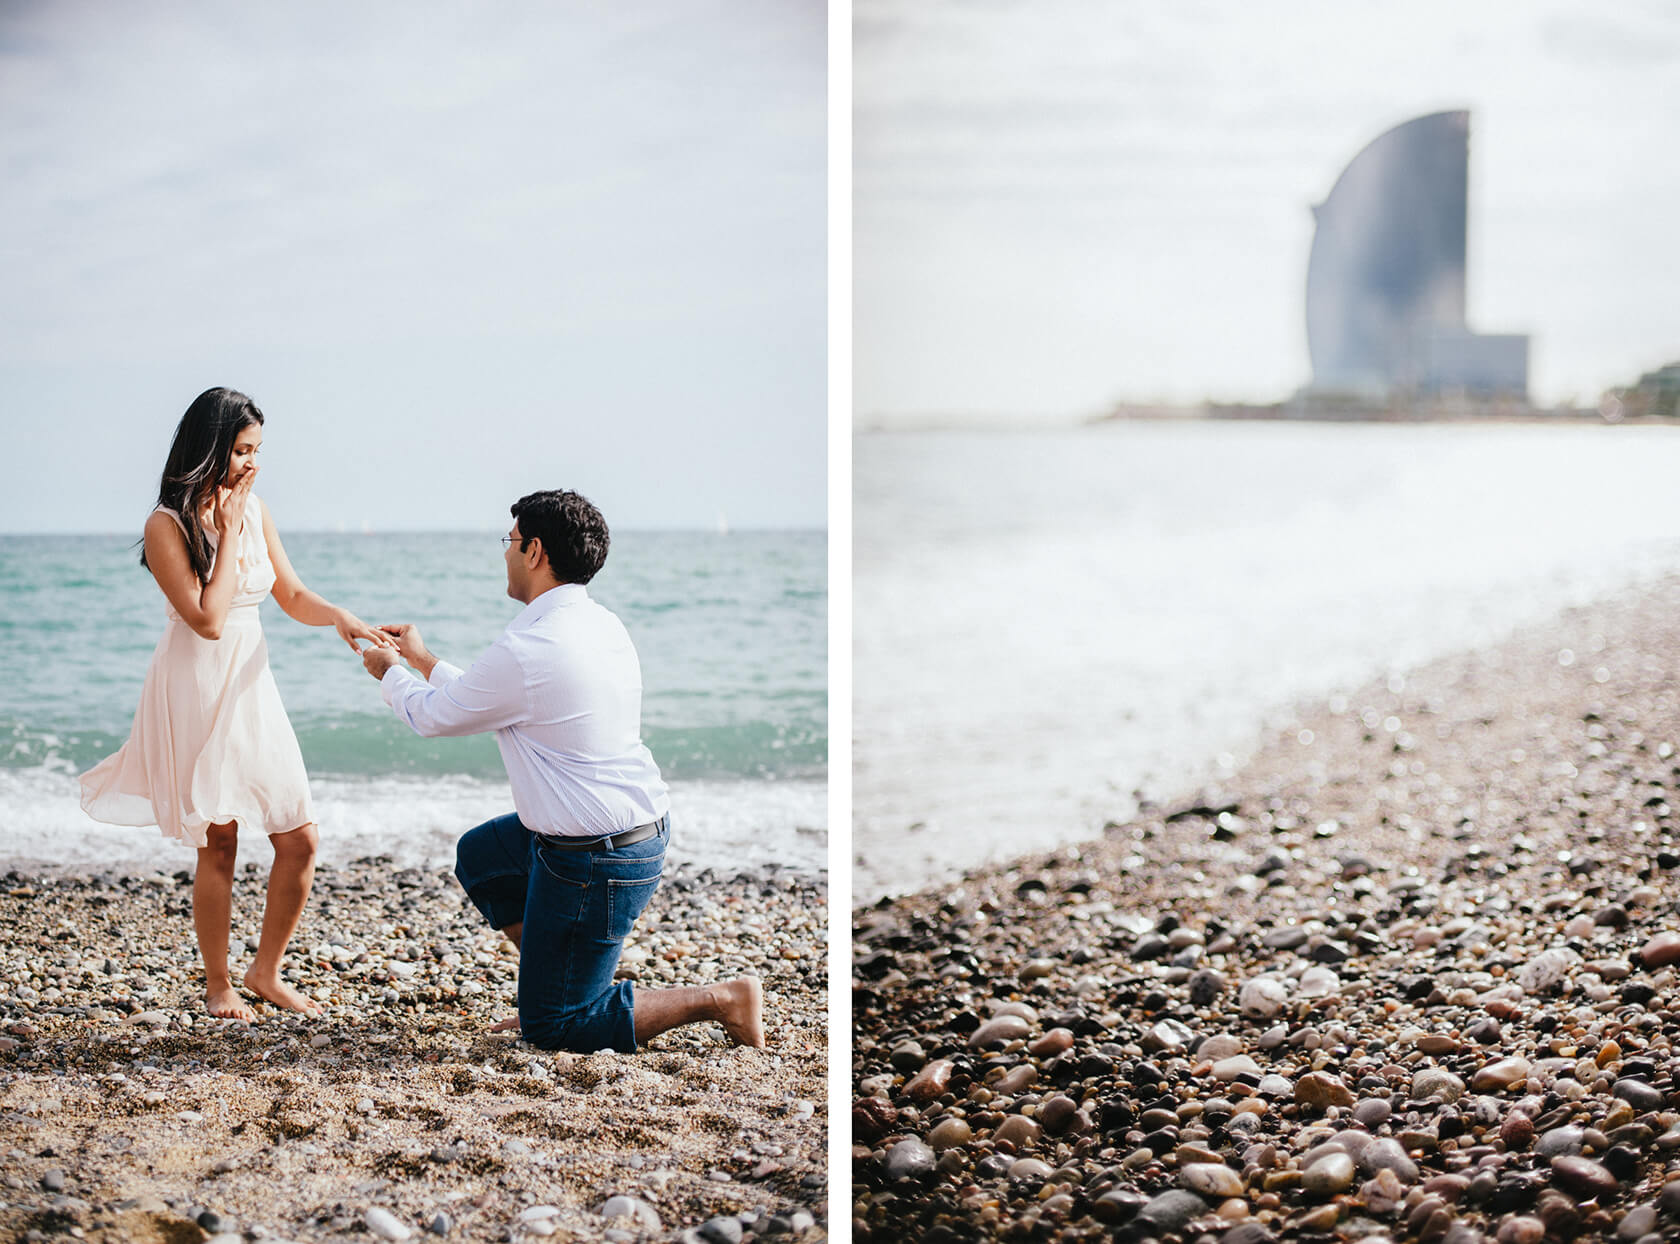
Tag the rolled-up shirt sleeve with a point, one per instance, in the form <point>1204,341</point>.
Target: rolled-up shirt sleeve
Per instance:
<point>486,697</point>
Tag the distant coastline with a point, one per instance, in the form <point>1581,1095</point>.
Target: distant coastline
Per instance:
<point>1310,409</point>
<point>1444,412</point>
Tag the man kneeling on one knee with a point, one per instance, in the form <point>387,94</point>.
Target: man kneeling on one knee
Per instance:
<point>567,873</point>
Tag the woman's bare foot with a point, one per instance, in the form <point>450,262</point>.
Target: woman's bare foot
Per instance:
<point>510,1024</point>
<point>226,1003</point>
<point>279,992</point>
<point>741,1010</point>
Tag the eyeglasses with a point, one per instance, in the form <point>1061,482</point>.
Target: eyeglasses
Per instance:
<point>507,540</point>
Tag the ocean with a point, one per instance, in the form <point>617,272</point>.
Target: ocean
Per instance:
<point>1051,621</point>
<point>731,631</point>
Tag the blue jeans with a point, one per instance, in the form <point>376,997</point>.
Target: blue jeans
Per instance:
<point>577,907</point>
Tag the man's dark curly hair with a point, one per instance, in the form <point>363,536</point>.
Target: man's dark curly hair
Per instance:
<point>572,531</point>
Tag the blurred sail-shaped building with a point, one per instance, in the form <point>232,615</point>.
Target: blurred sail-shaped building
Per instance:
<point>1385,282</point>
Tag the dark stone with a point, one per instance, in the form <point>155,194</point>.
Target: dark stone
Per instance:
<point>1560,1214</point>
<point>872,1118</point>
<point>1638,1223</point>
<point>1622,1162</point>
<point>1170,1212</point>
<point>1116,1115</point>
<point>1373,1112</point>
<point>1055,1114</point>
<point>1118,1206</point>
<point>1201,811</point>
<point>724,1229</point>
<point>1668,1200</point>
<point>1515,1191</point>
<point>874,966</point>
<point>1559,1141</point>
<point>1205,987</point>
<point>1149,946</point>
<point>1583,1177</point>
<point>1481,1187</point>
<point>1330,952</point>
<point>1484,1031</point>
<point>1637,993</point>
<point>1161,1142</point>
<point>907,1057</point>
<point>1641,1096</point>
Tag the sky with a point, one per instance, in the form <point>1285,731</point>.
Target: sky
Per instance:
<point>1061,205</point>
<point>456,253</point>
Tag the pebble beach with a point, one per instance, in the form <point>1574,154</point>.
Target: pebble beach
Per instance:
<point>127,1114</point>
<point>1408,974</point>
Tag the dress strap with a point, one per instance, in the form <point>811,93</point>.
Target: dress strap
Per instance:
<point>179,522</point>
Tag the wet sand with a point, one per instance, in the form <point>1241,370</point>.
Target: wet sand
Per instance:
<point>1406,976</point>
<point>126,1114</point>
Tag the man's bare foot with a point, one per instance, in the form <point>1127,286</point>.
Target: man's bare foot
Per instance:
<point>277,991</point>
<point>226,1003</point>
<point>741,1010</point>
<point>510,1024</point>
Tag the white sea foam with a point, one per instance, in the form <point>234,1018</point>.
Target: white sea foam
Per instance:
<point>725,825</point>
<point>1049,620</point>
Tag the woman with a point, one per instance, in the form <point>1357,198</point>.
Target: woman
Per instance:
<point>211,751</point>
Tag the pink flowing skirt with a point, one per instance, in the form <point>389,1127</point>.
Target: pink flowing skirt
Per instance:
<point>210,743</point>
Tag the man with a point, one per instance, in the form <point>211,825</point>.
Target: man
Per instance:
<point>566,875</point>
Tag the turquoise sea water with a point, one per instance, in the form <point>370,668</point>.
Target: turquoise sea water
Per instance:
<point>731,630</point>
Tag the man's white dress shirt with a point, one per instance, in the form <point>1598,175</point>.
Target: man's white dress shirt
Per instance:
<point>562,689</point>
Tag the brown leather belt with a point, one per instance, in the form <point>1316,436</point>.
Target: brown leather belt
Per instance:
<point>628,838</point>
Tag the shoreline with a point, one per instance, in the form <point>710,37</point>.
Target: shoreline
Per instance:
<point>128,1114</point>
<point>415,822</point>
<point>1426,927</point>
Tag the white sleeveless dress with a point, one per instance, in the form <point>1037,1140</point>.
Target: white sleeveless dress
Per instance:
<point>210,742</point>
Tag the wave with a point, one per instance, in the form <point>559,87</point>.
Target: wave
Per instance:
<point>367,746</point>
<point>416,820</point>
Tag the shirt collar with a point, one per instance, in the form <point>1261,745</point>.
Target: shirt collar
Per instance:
<point>555,598</point>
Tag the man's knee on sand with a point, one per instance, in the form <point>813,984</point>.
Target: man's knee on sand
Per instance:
<point>469,848</point>
<point>576,1031</point>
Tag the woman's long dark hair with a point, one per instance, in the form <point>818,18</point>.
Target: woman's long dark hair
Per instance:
<point>198,462</point>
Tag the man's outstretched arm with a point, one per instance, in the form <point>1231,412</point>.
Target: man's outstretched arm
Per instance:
<point>486,697</point>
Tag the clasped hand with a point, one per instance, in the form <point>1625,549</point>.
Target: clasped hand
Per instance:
<point>394,642</point>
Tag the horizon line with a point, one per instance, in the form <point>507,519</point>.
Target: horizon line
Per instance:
<point>746,530</point>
